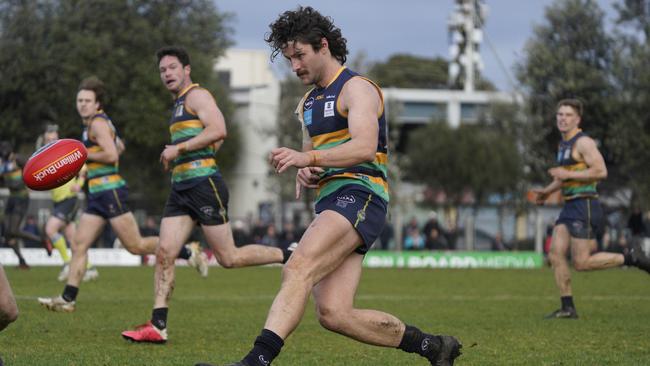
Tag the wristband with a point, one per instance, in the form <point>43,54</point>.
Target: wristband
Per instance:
<point>314,158</point>
<point>182,147</point>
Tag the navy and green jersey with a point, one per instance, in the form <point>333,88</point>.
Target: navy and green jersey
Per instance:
<point>327,126</point>
<point>12,176</point>
<point>101,176</point>
<point>572,189</point>
<point>190,167</point>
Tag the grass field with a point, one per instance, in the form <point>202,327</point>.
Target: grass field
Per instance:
<point>497,314</point>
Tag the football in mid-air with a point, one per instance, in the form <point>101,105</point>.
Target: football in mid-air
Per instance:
<point>54,164</point>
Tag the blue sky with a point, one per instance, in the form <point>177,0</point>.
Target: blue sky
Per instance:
<point>419,27</point>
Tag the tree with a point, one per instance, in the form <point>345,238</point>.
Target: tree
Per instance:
<point>481,159</point>
<point>407,71</point>
<point>569,55</point>
<point>631,131</point>
<point>47,47</point>
<point>288,134</point>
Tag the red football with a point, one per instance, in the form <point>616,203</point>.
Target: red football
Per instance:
<point>54,164</point>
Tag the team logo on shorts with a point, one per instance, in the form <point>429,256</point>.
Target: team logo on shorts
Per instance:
<point>577,225</point>
<point>425,344</point>
<point>207,210</point>
<point>343,201</point>
<point>361,215</point>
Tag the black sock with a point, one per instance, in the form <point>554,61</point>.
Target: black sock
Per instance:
<point>567,302</point>
<point>21,259</point>
<point>628,260</point>
<point>185,253</point>
<point>265,349</point>
<point>414,341</point>
<point>70,293</point>
<point>159,318</point>
<point>286,254</point>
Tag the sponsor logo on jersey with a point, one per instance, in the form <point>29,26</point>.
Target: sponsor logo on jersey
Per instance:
<point>307,117</point>
<point>308,103</point>
<point>329,109</point>
<point>179,111</point>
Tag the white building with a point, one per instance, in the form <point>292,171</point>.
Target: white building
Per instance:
<point>421,106</point>
<point>256,93</point>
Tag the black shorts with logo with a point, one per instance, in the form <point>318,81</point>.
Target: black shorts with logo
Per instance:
<point>583,217</point>
<point>108,204</point>
<point>205,202</point>
<point>363,208</point>
<point>66,210</point>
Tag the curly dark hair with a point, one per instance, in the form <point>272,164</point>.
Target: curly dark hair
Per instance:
<point>179,52</point>
<point>306,25</point>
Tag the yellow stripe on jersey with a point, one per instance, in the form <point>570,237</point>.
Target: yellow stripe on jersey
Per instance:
<point>575,167</point>
<point>381,158</point>
<point>203,163</point>
<point>577,183</point>
<point>194,123</point>
<point>94,149</point>
<point>94,182</point>
<point>91,165</point>
<point>327,138</point>
<point>376,180</point>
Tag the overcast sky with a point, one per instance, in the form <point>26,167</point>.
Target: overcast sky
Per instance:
<point>381,28</point>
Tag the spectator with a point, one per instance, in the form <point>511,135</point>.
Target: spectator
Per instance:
<point>270,237</point>
<point>497,243</point>
<point>620,245</point>
<point>31,227</point>
<point>150,228</point>
<point>258,231</point>
<point>635,222</point>
<point>239,233</point>
<point>435,240</point>
<point>288,235</point>
<point>386,236</point>
<point>411,225</point>
<point>413,239</point>
<point>432,223</point>
<point>451,234</point>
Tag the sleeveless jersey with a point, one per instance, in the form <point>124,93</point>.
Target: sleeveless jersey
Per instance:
<point>101,176</point>
<point>190,167</point>
<point>12,175</point>
<point>64,192</point>
<point>572,189</point>
<point>327,126</point>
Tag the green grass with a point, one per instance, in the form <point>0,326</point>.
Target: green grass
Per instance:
<point>497,314</point>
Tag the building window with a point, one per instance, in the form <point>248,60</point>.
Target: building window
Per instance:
<point>471,112</point>
<point>423,112</point>
<point>224,78</point>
